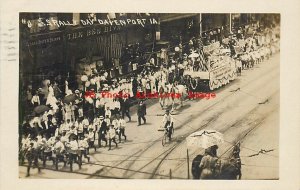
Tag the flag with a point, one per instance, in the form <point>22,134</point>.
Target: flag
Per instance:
<point>201,53</point>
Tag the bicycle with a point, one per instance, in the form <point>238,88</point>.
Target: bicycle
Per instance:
<point>167,135</point>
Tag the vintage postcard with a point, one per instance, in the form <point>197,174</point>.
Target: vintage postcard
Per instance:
<point>149,95</point>
<point>179,97</point>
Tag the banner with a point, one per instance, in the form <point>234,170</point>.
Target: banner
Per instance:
<point>220,73</point>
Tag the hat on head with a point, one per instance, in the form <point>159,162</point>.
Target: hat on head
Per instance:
<point>76,91</point>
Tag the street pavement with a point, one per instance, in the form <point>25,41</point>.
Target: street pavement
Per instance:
<point>246,111</point>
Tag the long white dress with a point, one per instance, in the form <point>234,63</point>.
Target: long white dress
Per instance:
<point>51,100</point>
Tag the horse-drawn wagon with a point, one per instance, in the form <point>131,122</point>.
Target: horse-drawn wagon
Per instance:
<point>217,71</point>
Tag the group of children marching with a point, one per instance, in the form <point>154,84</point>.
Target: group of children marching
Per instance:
<point>72,141</point>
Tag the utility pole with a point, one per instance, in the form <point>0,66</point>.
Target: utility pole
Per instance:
<point>188,163</point>
<point>200,23</point>
<point>230,22</point>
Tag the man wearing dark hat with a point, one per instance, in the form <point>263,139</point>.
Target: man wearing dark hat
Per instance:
<point>125,106</point>
<point>141,112</point>
<point>134,86</point>
<point>102,131</point>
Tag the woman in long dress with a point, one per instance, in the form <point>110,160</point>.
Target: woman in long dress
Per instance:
<point>51,100</point>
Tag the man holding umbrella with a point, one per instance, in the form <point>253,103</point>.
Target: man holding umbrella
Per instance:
<point>209,140</point>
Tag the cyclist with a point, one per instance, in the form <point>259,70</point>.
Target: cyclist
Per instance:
<point>168,123</point>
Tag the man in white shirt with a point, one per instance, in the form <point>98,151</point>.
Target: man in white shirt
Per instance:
<point>32,156</point>
<point>58,152</point>
<point>73,153</point>
<point>35,100</point>
<point>111,136</point>
<point>91,140</point>
<point>168,123</point>
<point>25,144</point>
<point>83,146</point>
<point>117,106</point>
<point>122,125</point>
<point>85,123</point>
<point>116,124</point>
<point>79,127</point>
<point>72,130</point>
<point>107,112</point>
<point>68,125</point>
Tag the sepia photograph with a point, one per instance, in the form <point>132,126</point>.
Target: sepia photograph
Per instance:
<point>188,96</point>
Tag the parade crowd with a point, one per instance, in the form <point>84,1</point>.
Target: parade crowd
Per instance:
<point>63,124</point>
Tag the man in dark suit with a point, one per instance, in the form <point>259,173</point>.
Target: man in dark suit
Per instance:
<point>102,131</point>
<point>134,86</point>
<point>141,112</point>
<point>125,108</point>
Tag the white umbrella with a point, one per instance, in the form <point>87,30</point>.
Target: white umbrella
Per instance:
<point>204,139</point>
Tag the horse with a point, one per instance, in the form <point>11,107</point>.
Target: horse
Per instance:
<point>178,92</point>
<point>229,169</point>
<point>161,91</point>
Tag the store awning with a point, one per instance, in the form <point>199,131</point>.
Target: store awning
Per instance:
<point>176,16</point>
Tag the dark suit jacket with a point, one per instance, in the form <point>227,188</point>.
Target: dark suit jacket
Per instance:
<point>141,110</point>
<point>103,127</point>
<point>125,105</point>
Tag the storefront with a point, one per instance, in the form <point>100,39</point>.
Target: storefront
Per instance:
<point>62,51</point>
<point>179,27</point>
<point>215,27</point>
